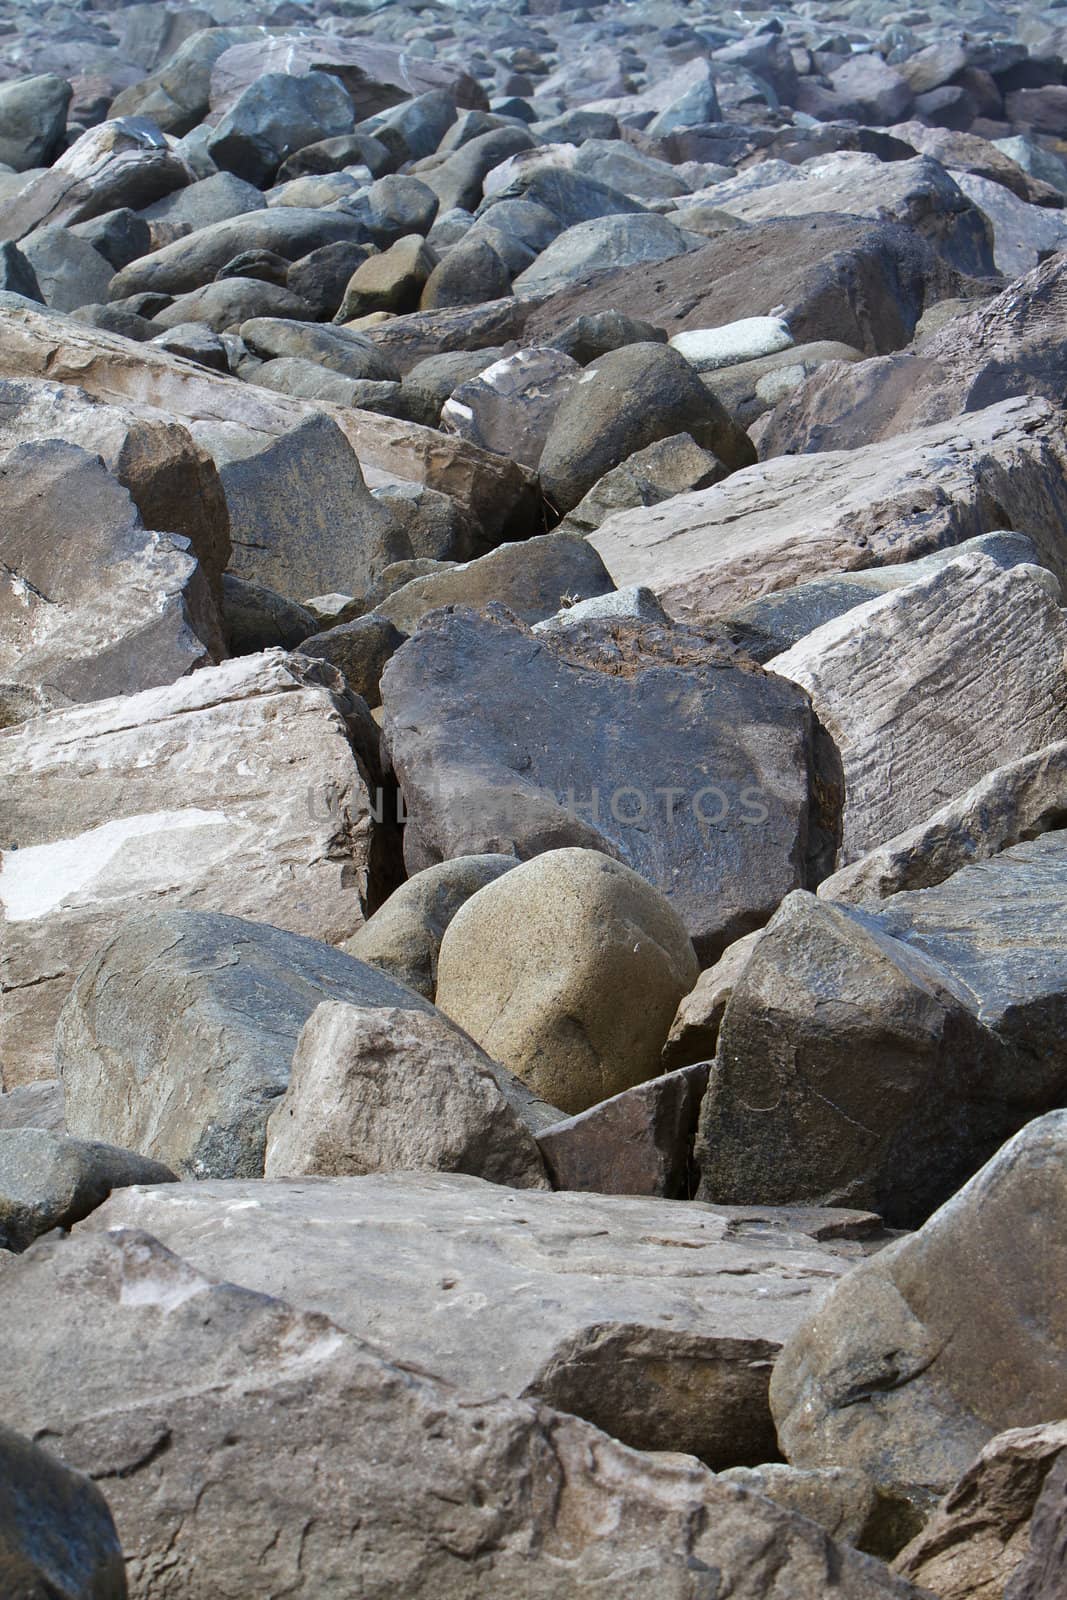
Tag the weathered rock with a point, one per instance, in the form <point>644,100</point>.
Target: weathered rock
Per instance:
<point>602,244</point>
<point>227,305</point>
<point>423,334</point>
<point>476,717</point>
<point>843,1502</point>
<point>16,274</point>
<point>69,271</point>
<point>50,1181</point>
<point>178,1037</point>
<point>57,1536</point>
<point>1023,234</point>
<point>1041,1571</point>
<point>675,465</point>
<point>403,937</point>
<point>694,1034</point>
<point>638,1142</point>
<point>359,650</point>
<point>93,604</point>
<point>34,1105</point>
<point>573,1299</point>
<point>797,518</point>
<point>277,114</point>
<point>980,1534</point>
<point>944,1339</point>
<point>33,119</point>
<point>594,335</point>
<point>568,970</point>
<point>628,399</point>
<point>340,350</point>
<point>257,619</point>
<point>511,405</point>
<point>167,1354</point>
<point>532,579</point>
<point>935,684</point>
<point>388,1089</point>
<point>214,199</point>
<point>390,281</point>
<point>234,789</point>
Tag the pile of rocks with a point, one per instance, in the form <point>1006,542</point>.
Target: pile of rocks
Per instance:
<point>533,755</point>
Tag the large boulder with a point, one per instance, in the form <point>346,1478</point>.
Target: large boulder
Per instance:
<point>182,1380</point>
<point>801,517</point>
<point>705,776</point>
<point>602,244</point>
<point>57,1536</point>
<point>627,399</point>
<point>276,115</point>
<point>912,1364</point>
<point>236,789</point>
<point>568,970</point>
<point>178,1037</point>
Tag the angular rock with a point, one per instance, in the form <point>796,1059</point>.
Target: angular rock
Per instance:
<point>575,1300</point>
<point>843,1502</point>
<point>186,794</point>
<point>50,1181</point>
<point>944,1339</point>
<point>797,518</point>
<point>359,650</point>
<point>1023,234</point>
<point>178,95</point>
<point>511,405</point>
<point>33,119</point>
<point>169,1355</point>
<point>69,271</point>
<point>675,465</point>
<point>472,272</point>
<point>568,971</point>
<point>391,281</point>
<point>34,1105</point>
<point>257,619</point>
<point>403,937</point>
<point>57,1536</point>
<point>389,1089</point>
<point>603,244</point>
<point>277,114</point>
<point>93,604</point>
<point>638,1142</point>
<point>1041,1571</point>
<point>694,1034</point>
<point>930,687</point>
<point>477,713</point>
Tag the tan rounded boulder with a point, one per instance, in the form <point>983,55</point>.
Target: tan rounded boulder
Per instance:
<point>568,970</point>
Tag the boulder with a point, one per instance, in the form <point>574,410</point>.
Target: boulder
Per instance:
<point>359,651</point>
<point>694,1034</point>
<point>50,1181</point>
<point>707,349</point>
<point>57,1536</point>
<point>487,726</point>
<point>228,305</point>
<point>403,937</point>
<point>1041,1570</point>
<point>943,1340</point>
<point>572,1299</point>
<point>277,114</point>
<point>378,1088</point>
<point>628,399</point>
<point>69,271</point>
<point>178,1036</point>
<point>257,619</point>
<point>1023,234</point>
<point>186,794</point>
<point>34,1105</point>
<point>197,1375</point>
<point>471,273</point>
<point>33,120</point>
<point>799,517</point>
<point>602,963</point>
<point>933,685</point>
<point>511,405</point>
<point>602,244</point>
<point>843,1502</point>
<point>675,465</point>
<point>340,350</point>
<point>390,281</point>
<point>94,604</point>
<point>177,96</point>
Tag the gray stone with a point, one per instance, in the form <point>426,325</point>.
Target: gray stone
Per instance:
<point>510,406</point>
<point>341,350</point>
<point>57,1536</point>
<point>34,1105</point>
<point>227,305</point>
<point>389,281</point>
<point>1022,234</point>
<point>277,114</point>
<point>842,1501</point>
<point>70,272</point>
<point>50,1181</point>
<point>33,119</point>
<point>471,272</point>
<point>675,465</point>
<point>694,1034</point>
<point>358,649</point>
<point>255,618</point>
<point>603,244</point>
<point>1041,1572</point>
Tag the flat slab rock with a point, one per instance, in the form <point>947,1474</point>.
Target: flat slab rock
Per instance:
<point>801,517</point>
<point>238,1435</point>
<point>203,795</point>
<point>659,1321</point>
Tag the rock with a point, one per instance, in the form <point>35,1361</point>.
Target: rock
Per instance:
<point>408,341</point>
<point>33,119</point>
<point>322,276</point>
<point>675,465</point>
<point>338,349</point>
<point>1020,800</point>
<point>796,518</point>
<point>1043,110</point>
<point>638,1142</point>
<point>476,723</point>
<point>391,281</point>
<point>389,1089</point>
<point>936,684</point>
<point>229,304</point>
<point>57,1536</point>
<point>277,114</point>
<point>694,1032</point>
<point>181,794</point>
<point>215,1373</point>
<point>257,619</point>
<point>403,937</point>
<point>707,349</point>
<point>589,938</point>
<point>980,1534</point>
<point>636,604</point>
<point>751,388</point>
<point>684,98</point>
<point>894,1375</point>
<point>395,207</point>
<point>94,604</point>
<point>867,90</point>
<point>1022,234</point>
<point>1041,1570</point>
<point>120,236</point>
<point>219,198</point>
<point>471,272</point>
<point>628,399</point>
<point>196,341</point>
<point>34,1105</point>
<point>829,277</point>
<point>510,406</point>
<point>16,274</point>
<point>69,271</point>
<point>50,1181</point>
<point>590,336</point>
<point>458,180</point>
<point>177,96</point>
<point>191,1076</point>
<point>966,152</point>
<point>841,1501</point>
<point>359,650</point>
<point>575,1300</point>
<point>532,579</point>
<point>601,245</point>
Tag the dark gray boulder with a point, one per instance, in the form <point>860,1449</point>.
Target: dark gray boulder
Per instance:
<point>277,114</point>
<point>48,1180</point>
<point>57,1536</point>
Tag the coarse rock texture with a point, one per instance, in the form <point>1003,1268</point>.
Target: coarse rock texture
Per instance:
<point>943,1340</point>
<point>1041,1571</point>
<point>191,1078</point>
<point>50,1181</point>
<point>236,789</point>
<point>57,1536</point>
<point>568,970</point>
<point>640,739</point>
<point>801,517</point>
<point>578,1300</point>
<point>177,1370</point>
<point>360,1083</point>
